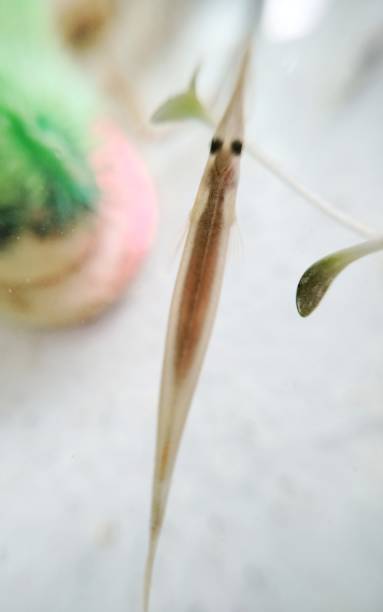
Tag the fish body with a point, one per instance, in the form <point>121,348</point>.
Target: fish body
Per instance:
<point>195,300</point>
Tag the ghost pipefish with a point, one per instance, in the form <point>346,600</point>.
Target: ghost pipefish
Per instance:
<point>195,299</point>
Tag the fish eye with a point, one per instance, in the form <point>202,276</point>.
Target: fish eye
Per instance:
<point>216,145</point>
<point>236,147</point>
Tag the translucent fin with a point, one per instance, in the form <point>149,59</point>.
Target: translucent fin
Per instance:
<point>317,279</point>
<point>236,245</point>
<point>181,241</point>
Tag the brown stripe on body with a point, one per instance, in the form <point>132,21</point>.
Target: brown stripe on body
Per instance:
<point>199,277</point>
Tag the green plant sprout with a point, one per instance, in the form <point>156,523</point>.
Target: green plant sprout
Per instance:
<point>185,105</point>
<point>315,282</point>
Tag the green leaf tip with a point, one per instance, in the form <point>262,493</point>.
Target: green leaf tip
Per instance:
<point>317,279</point>
<point>315,282</point>
<point>183,106</point>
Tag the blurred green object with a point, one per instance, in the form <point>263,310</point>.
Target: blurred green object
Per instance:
<point>46,111</point>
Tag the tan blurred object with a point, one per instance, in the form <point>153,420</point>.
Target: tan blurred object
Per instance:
<point>118,42</point>
<point>90,29</point>
<point>82,22</point>
<point>40,259</point>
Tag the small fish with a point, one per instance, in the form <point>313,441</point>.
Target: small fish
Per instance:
<point>195,300</point>
<point>317,279</point>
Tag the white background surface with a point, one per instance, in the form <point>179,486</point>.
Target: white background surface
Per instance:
<point>277,498</point>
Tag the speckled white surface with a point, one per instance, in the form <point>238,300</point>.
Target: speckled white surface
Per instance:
<point>277,500</point>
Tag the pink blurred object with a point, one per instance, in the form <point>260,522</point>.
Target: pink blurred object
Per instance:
<point>118,244</point>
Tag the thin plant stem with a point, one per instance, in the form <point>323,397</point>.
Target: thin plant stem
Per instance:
<point>326,207</point>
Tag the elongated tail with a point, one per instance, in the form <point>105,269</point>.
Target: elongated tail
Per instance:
<point>149,567</point>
